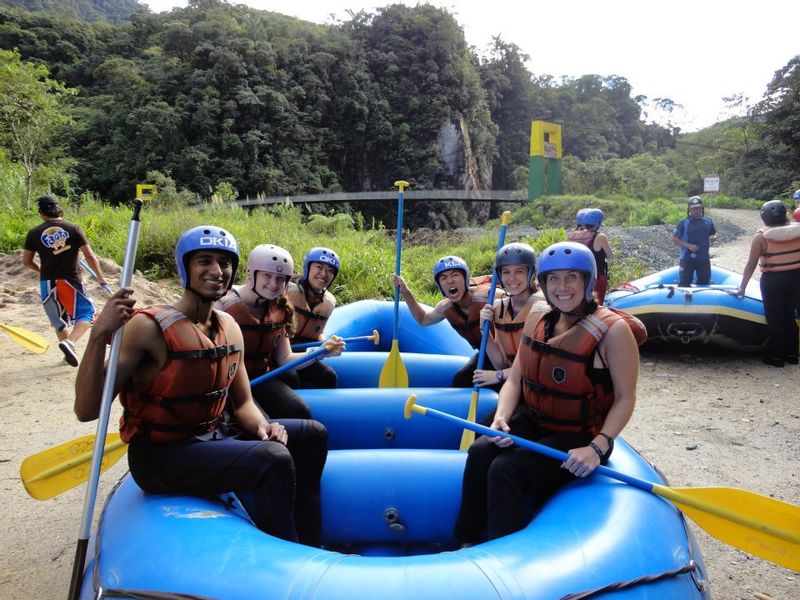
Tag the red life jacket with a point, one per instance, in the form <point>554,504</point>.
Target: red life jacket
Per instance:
<point>555,380</point>
<point>508,329</point>
<point>188,394</point>
<point>261,337</point>
<point>308,323</point>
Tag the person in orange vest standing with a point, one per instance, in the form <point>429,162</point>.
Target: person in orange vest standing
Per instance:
<point>776,249</point>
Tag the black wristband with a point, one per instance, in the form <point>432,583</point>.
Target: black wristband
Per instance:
<point>596,448</point>
<point>610,441</point>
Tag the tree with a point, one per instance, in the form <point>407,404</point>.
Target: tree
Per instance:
<point>31,113</point>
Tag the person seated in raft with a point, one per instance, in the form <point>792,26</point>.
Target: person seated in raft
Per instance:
<point>264,313</point>
<point>313,304</point>
<point>588,221</point>
<point>515,267</point>
<point>461,307</point>
<point>776,248</point>
<point>572,387</point>
<point>178,367</point>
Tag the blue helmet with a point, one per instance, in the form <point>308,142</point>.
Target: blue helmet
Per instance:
<point>571,256</point>
<point>590,217</point>
<point>326,256</point>
<point>796,196</point>
<point>516,253</point>
<point>204,237</point>
<point>445,264</point>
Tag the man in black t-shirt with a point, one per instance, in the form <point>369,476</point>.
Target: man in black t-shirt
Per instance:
<point>58,242</point>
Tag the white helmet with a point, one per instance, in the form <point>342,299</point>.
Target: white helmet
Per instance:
<point>269,258</point>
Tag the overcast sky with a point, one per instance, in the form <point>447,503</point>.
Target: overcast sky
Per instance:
<point>694,52</point>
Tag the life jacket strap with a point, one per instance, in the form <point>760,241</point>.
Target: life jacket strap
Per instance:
<point>216,352</point>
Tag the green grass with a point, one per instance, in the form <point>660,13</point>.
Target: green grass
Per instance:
<point>367,251</point>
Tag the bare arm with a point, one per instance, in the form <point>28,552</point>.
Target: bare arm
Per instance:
<point>91,372</point>
<point>601,243</point>
<point>91,258</point>
<point>421,316</point>
<point>27,260</point>
<point>756,249</point>
<point>248,415</point>
<point>679,242</point>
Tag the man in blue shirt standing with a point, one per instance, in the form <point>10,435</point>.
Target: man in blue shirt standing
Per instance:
<point>694,235</point>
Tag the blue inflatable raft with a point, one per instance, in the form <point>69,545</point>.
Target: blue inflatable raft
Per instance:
<point>390,492</point>
<point>704,314</point>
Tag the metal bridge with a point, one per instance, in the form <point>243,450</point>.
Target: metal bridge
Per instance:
<point>520,196</point>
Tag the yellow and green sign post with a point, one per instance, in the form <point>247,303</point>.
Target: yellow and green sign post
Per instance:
<point>146,191</point>
<point>544,167</point>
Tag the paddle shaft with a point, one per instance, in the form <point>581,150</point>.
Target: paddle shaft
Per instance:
<point>105,410</point>
<point>91,272</point>
<point>398,250</point>
<point>359,338</point>
<point>311,356</point>
<point>467,437</point>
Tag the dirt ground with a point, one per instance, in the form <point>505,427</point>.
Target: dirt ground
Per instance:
<point>704,417</point>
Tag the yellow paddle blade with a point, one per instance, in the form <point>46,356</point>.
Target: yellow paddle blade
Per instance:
<point>394,372</point>
<point>763,526</point>
<point>61,468</point>
<point>32,341</point>
<point>468,436</point>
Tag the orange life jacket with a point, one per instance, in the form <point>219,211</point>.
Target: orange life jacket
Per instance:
<point>555,380</point>
<point>308,322</point>
<point>508,329</point>
<point>188,394</point>
<point>261,337</point>
<point>783,248</point>
<point>467,324</point>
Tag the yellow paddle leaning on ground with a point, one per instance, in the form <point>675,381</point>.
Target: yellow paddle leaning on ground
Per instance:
<point>763,526</point>
<point>32,341</point>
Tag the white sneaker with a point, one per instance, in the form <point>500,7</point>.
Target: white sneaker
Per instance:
<point>68,349</point>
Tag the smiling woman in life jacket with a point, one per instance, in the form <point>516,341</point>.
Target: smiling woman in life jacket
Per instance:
<point>572,387</point>
<point>776,248</point>
<point>179,366</point>
<point>588,221</point>
<point>261,309</point>
<point>313,305</point>
<point>515,266</point>
<point>461,307</point>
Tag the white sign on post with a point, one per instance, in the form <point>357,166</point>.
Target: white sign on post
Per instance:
<point>711,184</point>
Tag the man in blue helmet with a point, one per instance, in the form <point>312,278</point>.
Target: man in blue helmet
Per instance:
<point>461,307</point>
<point>179,366</point>
<point>694,234</point>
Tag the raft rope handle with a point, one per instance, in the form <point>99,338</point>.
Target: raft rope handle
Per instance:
<point>691,567</point>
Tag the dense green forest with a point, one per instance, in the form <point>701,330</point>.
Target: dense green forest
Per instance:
<point>224,101</point>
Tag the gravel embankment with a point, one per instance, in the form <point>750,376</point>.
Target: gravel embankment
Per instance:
<point>652,244</point>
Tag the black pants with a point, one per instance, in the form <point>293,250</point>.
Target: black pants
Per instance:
<point>317,375</point>
<point>463,377</point>
<point>278,485</point>
<point>503,488</point>
<point>780,291</point>
<point>277,398</point>
<point>689,266</point>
